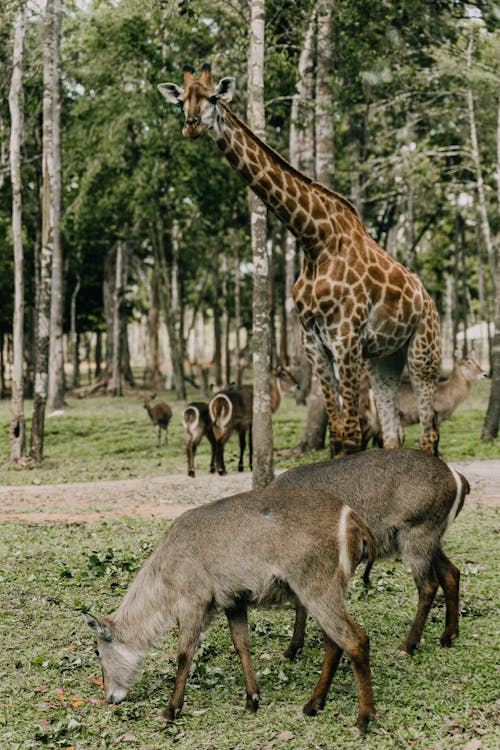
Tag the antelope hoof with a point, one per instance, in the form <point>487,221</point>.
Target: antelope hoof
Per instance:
<point>222,472</point>
<point>447,639</point>
<point>405,650</point>
<point>190,473</point>
<point>312,707</point>
<point>363,721</point>
<point>292,651</point>
<point>170,713</point>
<point>252,703</point>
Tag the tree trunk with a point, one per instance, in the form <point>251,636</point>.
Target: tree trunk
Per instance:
<point>301,147</point>
<point>237,312</point>
<point>313,437</point>
<point>108,285</point>
<point>75,338</point>
<point>17,429</point>
<point>56,385</point>
<point>116,387</point>
<point>492,419</point>
<point>47,248</point>
<point>153,380</point>
<point>262,428</point>
<point>158,240</point>
<point>485,224</point>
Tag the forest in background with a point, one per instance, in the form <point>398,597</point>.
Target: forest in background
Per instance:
<point>155,228</point>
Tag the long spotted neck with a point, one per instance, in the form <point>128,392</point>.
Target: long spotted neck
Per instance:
<point>304,206</point>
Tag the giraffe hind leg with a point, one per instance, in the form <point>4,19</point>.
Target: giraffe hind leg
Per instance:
<point>385,377</point>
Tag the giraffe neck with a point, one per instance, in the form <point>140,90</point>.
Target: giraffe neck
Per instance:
<point>304,206</point>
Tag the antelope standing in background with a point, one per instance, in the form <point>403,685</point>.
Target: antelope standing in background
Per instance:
<point>197,424</point>
<point>409,499</point>
<point>260,547</point>
<point>231,411</point>
<point>160,415</point>
<point>449,394</point>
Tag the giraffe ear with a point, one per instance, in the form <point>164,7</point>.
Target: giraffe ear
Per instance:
<point>171,92</point>
<point>225,89</point>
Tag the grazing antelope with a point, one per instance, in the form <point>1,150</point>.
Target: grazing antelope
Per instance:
<point>231,411</point>
<point>197,424</point>
<point>160,415</point>
<point>260,547</point>
<point>409,499</point>
<point>449,394</point>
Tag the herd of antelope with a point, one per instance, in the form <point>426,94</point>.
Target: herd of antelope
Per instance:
<point>230,410</point>
<point>297,541</point>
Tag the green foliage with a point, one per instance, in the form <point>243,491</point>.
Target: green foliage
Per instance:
<point>50,694</point>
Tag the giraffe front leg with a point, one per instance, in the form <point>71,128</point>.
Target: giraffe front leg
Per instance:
<point>347,355</point>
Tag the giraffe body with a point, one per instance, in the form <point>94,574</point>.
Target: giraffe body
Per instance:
<point>354,301</point>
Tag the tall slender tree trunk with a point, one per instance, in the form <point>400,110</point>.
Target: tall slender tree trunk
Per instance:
<point>17,430</point>
<point>116,386</point>
<point>56,387</point>
<point>217,317</point>
<point>492,418</point>
<point>75,338</point>
<point>237,312</point>
<point>313,437</point>
<point>47,248</point>
<point>301,145</point>
<point>482,205</point>
<point>158,240</point>
<point>154,328</point>
<point>262,423</point>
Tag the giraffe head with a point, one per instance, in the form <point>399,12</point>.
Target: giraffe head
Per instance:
<point>198,98</point>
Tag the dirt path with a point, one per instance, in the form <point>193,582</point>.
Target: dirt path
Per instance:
<point>169,496</point>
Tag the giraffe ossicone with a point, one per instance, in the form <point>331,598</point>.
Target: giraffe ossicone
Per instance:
<point>358,306</point>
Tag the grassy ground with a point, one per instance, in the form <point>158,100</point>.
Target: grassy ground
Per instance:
<point>104,438</point>
<point>49,691</point>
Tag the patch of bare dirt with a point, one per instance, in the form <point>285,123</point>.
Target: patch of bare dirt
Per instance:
<point>169,496</point>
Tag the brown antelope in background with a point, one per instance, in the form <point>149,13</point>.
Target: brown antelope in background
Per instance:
<point>409,499</point>
<point>197,424</point>
<point>260,547</point>
<point>160,415</point>
<point>449,394</point>
<point>231,411</point>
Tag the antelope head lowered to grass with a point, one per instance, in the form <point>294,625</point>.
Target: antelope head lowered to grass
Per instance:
<point>259,547</point>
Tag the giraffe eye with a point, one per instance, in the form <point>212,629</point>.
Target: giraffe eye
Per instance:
<point>96,652</point>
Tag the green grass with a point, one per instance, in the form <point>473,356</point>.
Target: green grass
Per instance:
<point>103,438</point>
<point>49,698</point>
<point>440,698</point>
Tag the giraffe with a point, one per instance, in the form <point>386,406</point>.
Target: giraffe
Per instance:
<point>358,306</point>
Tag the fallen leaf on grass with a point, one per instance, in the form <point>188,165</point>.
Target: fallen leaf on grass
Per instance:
<point>474,745</point>
<point>127,737</point>
<point>287,735</point>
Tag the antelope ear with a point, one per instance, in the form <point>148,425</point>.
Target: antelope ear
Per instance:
<point>102,629</point>
<point>225,89</point>
<point>171,92</point>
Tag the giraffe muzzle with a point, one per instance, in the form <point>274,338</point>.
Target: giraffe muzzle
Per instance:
<point>192,128</point>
